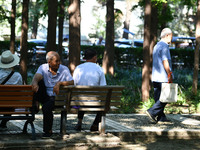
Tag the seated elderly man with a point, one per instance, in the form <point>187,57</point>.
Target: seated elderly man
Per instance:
<point>91,74</point>
<point>46,83</point>
<point>7,76</point>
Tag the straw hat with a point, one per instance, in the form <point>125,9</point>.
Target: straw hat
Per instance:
<point>8,60</point>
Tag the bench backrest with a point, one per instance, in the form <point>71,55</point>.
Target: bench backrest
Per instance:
<point>89,98</point>
<point>18,97</point>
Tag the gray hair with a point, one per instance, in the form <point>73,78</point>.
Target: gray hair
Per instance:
<point>51,54</point>
<point>165,31</point>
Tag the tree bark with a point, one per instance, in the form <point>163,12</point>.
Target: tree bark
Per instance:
<point>74,34</point>
<point>52,20</point>
<point>164,10</point>
<point>128,18</point>
<point>60,28</point>
<point>35,20</point>
<point>108,58</point>
<point>12,37</point>
<point>153,31</point>
<point>196,53</point>
<point>23,41</point>
<point>146,52</point>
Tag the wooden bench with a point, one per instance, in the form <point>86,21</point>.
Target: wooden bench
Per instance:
<point>89,99</point>
<point>20,98</point>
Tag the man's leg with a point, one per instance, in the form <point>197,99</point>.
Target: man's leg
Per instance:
<point>157,110</point>
<point>95,125</point>
<point>80,119</point>
<point>47,110</point>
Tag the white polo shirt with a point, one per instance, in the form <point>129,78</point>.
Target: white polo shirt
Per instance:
<point>90,74</point>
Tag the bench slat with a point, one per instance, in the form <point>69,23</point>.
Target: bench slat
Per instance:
<point>16,93</point>
<point>91,109</point>
<point>89,103</point>
<point>88,98</point>
<point>16,98</point>
<point>15,87</point>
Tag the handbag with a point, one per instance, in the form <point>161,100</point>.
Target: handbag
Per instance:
<point>169,92</point>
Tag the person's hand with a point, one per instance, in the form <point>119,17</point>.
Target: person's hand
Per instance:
<point>170,78</point>
<point>56,89</point>
<point>35,87</point>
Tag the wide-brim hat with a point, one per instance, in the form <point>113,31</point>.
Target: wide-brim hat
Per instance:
<point>8,60</point>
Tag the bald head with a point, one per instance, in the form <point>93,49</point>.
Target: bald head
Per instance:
<point>51,54</point>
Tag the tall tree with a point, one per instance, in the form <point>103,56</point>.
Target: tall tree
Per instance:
<point>128,17</point>
<point>12,22</point>
<point>74,34</point>
<point>35,18</point>
<point>108,58</point>
<point>153,29</point>
<point>52,21</point>
<point>60,26</point>
<point>23,41</point>
<point>196,53</point>
<point>146,52</point>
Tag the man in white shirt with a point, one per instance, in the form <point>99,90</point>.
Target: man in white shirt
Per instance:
<point>91,74</point>
<point>8,76</point>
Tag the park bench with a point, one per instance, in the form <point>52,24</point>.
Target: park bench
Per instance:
<point>20,98</point>
<point>87,98</point>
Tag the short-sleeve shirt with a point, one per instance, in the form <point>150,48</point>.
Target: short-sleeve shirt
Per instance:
<point>160,53</point>
<point>15,79</point>
<point>63,74</point>
<point>89,74</point>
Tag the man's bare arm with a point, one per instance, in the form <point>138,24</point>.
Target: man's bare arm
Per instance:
<point>167,69</point>
<point>63,83</point>
<point>37,77</point>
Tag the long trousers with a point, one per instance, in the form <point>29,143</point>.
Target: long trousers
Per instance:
<point>158,108</point>
<point>97,118</point>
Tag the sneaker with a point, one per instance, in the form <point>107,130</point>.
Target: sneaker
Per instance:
<point>94,127</point>
<point>151,116</point>
<point>46,135</point>
<point>78,127</point>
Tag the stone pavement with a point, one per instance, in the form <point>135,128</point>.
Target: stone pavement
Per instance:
<point>122,132</point>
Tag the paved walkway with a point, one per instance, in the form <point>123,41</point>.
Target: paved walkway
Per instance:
<point>120,130</point>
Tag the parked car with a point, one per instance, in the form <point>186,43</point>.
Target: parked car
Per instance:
<point>123,43</point>
<point>138,43</point>
<point>183,42</point>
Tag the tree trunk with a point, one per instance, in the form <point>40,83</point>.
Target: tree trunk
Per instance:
<point>164,10</point>
<point>12,37</point>
<point>196,53</point>
<point>60,24</point>
<point>153,31</point>
<point>35,21</point>
<point>23,41</point>
<point>52,20</point>
<point>108,58</point>
<point>146,52</point>
<point>74,34</point>
<point>128,18</point>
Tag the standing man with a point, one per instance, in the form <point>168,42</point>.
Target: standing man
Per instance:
<point>7,76</point>
<point>161,72</point>
<point>90,74</point>
<point>46,83</point>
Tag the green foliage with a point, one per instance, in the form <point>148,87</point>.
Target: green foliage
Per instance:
<point>147,104</point>
<point>131,79</point>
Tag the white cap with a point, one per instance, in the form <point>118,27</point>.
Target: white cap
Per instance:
<point>165,31</point>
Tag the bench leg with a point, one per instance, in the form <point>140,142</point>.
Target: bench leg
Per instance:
<point>32,128</point>
<point>25,127</point>
<point>103,124</point>
<point>63,122</point>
